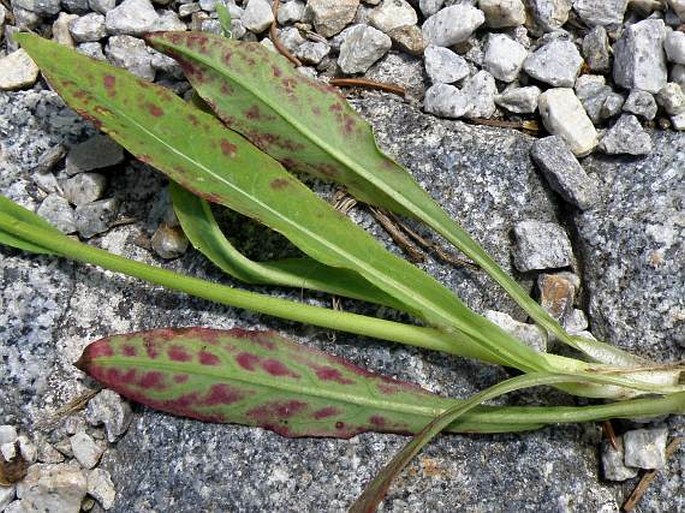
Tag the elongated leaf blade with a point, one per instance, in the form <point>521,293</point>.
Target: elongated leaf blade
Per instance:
<point>257,379</point>
<point>21,214</point>
<point>206,236</point>
<point>220,166</point>
<point>309,127</point>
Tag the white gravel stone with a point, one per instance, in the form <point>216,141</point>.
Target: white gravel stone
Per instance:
<point>557,63</point>
<point>257,16</point>
<point>392,14</point>
<point>40,7</point>
<point>55,488</point>
<point>521,100</point>
<point>612,106</point>
<point>645,448</point>
<point>312,52</point>
<point>549,15</point>
<point>57,211</point>
<point>503,57</point>
<point>613,467</point>
<point>8,434</point>
<point>444,66</point>
<point>168,20</point>
<point>102,6</point>
<point>331,16</point>
<point>626,137</point>
<point>678,121</point>
<point>110,409</point>
<point>430,7</point>
<point>132,17</point>
<point>86,450</point>
<point>28,449</point>
<point>60,29</point>
<point>564,115</point>
<point>445,101</point>
<point>563,172</point>
<point>7,494</point>
<point>503,13</point>
<point>641,103</point>
<point>101,488</point>
<point>674,44</point>
<point>17,70</point>
<point>290,12</point>
<point>480,91</point>
<point>541,245</point>
<point>130,53</point>
<point>601,12</point>
<point>88,28</point>
<point>362,47</point>
<point>530,334</point>
<point>677,75</point>
<point>671,98</point>
<point>92,50</point>
<point>291,38</point>
<point>84,188</point>
<point>452,25</point>
<point>639,58</point>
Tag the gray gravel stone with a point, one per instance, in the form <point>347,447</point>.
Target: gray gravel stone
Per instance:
<point>564,173</point>
<point>391,14</point>
<point>290,12</point>
<point>613,467</point>
<point>102,6</point>
<point>592,92</point>
<point>564,115</point>
<point>645,448</point>
<point>452,25</point>
<point>88,28</point>
<point>362,47</point>
<point>445,101</point>
<point>480,91</point>
<point>75,6</point>
<point>626,137</point>
<point>674,44</point>
<point>47,487</point>
<point>331,16</point>
<point>8,434</point>
<point>110,409</point>
<point>678,7</point>
<point>96,217</point>
<point>639,58</point>
<point>7,495</point>
<point>86,450</point>
<point>168,20</point>
<point>130,53</point>
<point>101,488</point>
<point>641,103</point>
<point>258,16</point>
<point>671,98</point>
<point>503,57</point>
<point>530,334</point>
<point>541,245</point>
<point>185,10</point>
<point>601,12</point>
<point>612,106</point>
<point>92,50</point>
<point>503,13</point>
<point>57,211</point>
<point>84,188</point>
<point>549,15</point>
<point>444,66</point>
<point>596,50</point>
<point>521,100</point>
<point>17,70</point>
<point>40,7</point>
<point>291,38</point>
<point>557,63</point>
<point>312,52</point>
<point>131,17</point>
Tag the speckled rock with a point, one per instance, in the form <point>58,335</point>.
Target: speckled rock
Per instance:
<point>57,211</point>
<point>444,66</point>
<point>258,16</point>
<point>503,13</point>
<point>613,467</point>
<point>101,488</point>
<point>110,409</point>
<point>363,45</point>
<point>84,188</point>
<point>541,246</point>
<point>96,217</point>
<point>626,137</point>
<point>548,15</point>
<point>521,100</point>
<point>480,91</point>
<point>596,50</point>
<point>503,57</point>
<point>452,25</point>
<point>445,101</point>
<point>641,103</point>
<point>557,64</point>
<point>130,53</point>
<point>639,57</point>
<point>331,16</point>
<point>86,450</point>
<point>132,17</point>
<point>90,27</point>
<point>601,12</point>
<point>59,488</point>
<point>645,448</point>
<point>392,14</point>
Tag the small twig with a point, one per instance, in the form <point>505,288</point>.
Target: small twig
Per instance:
<point>608,429</point>
<point>369,84</point>
<point>647,479</point>
<point>343,202</point>
<point>72,406</point>
<point>276,40</point>
<point>124,221</point>
<point>430,246</point>
<point>530,126</point>
<point>401,239</point>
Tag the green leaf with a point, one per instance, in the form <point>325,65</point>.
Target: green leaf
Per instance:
<point>224,19</point>
<point>220,166</point>
<point>206,236</point>
<point>20,214</point>
<point>309,127</point>
<point>262,379</point>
